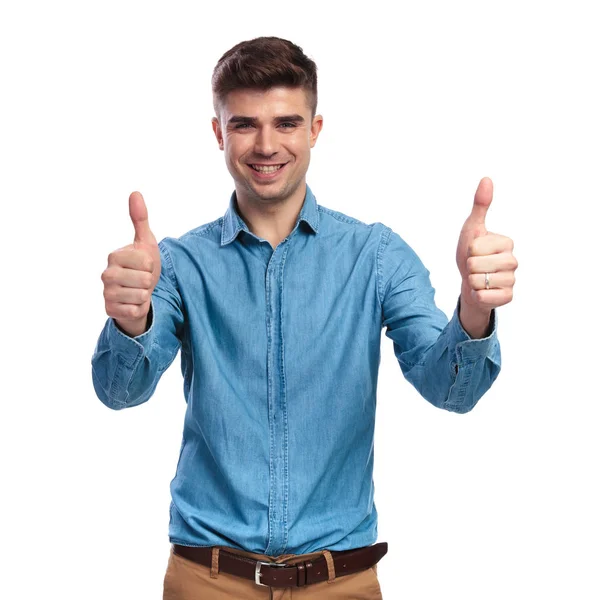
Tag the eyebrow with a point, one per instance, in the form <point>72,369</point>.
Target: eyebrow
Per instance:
<point>253,120</point>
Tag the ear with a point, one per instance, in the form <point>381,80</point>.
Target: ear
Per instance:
<point>218,133</point>
<point>315,129</point>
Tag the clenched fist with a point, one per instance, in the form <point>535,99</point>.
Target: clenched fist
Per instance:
<point>485,260</point>
<point>487,266</point>
<point>132,273</point>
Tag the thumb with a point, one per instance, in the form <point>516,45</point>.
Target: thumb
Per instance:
<point>139,217</point>
<point>483,199</point>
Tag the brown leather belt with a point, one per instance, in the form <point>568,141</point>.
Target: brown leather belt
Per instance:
<point>281,574</point>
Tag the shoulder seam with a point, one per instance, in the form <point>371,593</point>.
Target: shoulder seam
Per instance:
<point>385,236</point>
<point>169,266</point>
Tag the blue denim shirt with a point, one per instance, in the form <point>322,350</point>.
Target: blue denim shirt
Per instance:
<point>280,351</point>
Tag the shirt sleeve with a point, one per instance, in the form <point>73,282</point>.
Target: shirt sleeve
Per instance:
<point>125,369</point>
<point>438,357</point>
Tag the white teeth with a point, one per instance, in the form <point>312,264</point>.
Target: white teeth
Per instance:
<point>266,169</point>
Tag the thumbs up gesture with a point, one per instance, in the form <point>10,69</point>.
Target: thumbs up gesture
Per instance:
<point>485,261</point>
<point>132,273</point>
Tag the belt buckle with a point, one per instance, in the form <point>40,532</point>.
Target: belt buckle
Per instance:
<point>257,573</point>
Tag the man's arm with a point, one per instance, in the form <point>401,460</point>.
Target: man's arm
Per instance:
<point>125,369</point>
<point>438,357</point>
<point>424,344</point>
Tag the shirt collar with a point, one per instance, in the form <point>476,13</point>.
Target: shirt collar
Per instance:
<point>233,223</point>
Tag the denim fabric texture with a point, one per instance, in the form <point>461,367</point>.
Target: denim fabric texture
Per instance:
<point>280,352</point>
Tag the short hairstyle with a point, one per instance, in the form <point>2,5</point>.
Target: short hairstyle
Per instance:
<point>263,63</point>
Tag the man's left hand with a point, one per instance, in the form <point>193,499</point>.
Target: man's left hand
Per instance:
<point>482,252</point>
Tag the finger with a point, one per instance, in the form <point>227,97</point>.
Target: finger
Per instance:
<point>504,261</point>
<point>126,312</point>
<point>117,276</point>
<point>139,217</point>
<point>492,298</point>
<point>126,295</point>
<point>130,258</point>
<point>482,201</point>
<point>497,280</point>
<point>492,243</point>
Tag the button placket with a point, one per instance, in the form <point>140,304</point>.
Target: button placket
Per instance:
<point>278,484</point>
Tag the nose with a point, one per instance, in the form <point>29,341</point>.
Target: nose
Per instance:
<point>265,143</point>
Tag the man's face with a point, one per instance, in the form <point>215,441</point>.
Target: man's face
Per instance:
<point>267,136</point>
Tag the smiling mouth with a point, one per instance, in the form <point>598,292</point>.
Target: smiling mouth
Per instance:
<point>267,168</point>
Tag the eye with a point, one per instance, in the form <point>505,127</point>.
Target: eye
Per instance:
<point>242,125</point>
<point>288,125</point>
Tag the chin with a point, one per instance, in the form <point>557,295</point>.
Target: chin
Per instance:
<point>271,193</point>
<point>271,198</point>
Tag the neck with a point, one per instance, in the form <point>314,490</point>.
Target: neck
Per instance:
<point>272,220</point>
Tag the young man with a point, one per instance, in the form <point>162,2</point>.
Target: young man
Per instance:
<point>278,309</point>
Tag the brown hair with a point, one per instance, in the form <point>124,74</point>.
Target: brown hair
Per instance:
<point>262,63</point>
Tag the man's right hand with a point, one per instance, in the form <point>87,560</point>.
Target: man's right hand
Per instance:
<point>132,273</point>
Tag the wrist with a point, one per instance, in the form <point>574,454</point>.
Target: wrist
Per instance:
<point>474,319</point>
<point>133,328</point>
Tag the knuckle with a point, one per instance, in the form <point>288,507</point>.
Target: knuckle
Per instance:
<point>472,281</point>
<point>133,311</point>
<point>113,257</point>
<point>471,264</point>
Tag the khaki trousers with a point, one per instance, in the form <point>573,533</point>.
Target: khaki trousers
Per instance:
<point>187,580</point>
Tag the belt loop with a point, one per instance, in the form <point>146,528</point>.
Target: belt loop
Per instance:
<point>330,566</point>
<point>308,566</point>
<point>301,572</point>
<point>214,568</point>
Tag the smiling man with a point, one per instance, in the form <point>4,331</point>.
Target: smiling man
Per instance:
<point>278,309</point>
<point>267,136</point>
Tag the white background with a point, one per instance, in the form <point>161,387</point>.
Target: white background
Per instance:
<point>420,100</point>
